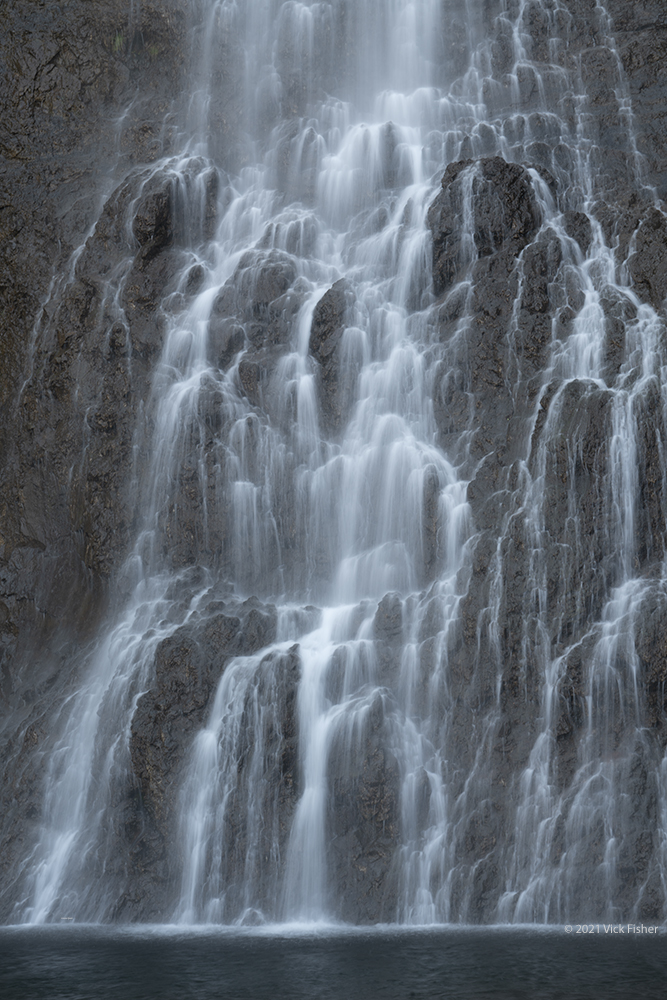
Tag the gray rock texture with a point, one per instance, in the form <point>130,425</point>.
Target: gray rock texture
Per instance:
<point>72,378</point>
<point>640,30</point>
<point>326,332</point>
<point>188,666</point>
<point>67,396</point>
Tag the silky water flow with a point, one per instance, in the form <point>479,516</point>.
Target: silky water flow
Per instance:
<point>324,489</point>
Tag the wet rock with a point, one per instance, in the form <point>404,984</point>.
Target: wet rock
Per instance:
<point>501,348</point>
<point>575,440</point>
<point>364,820</point>
<point>250,377</point>
<point>257,293</point>
<point>273,737</point>
<point>188,666</point>
<point>69,76</point>
<point>149,280</point>
<point>259,626</point>
<point>327,323</point>
<point>619,220</point>
<point>265,281</point>
<point>226,338</point>
<point>578,227</point>
<point>388,621</point>
<point>640,31</point>
<point>500,199</point>
<point>648,264</point>
<point>153,224</point>
<point>570,713</point>
<point>650,527</point>
<point>262,299</point>
<point>532,339</point>
<point>326,333</point>
<point>619,312</point>
<point>651,647</point>
<point>195,279</point>
<point>431,522</point>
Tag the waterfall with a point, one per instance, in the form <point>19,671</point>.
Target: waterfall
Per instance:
<point>328,526</point>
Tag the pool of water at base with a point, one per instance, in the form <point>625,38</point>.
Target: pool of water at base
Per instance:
<point>86,963</point>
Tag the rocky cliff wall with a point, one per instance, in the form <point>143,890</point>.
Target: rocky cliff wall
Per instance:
<point>89,90</point>
<point>640,30</point>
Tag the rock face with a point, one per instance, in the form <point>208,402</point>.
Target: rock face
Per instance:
<point>188,667</point>
<point>555,609</point>
<point>67,394</point>
<point>260,299</point>
<point>648,264</point>
<point>325,345</point>
<point>640,31</point>
<point>497,376</point>
<point>505,221</point>
<point>505,217</point>
<point>73,377</point>
<point>364,816</point>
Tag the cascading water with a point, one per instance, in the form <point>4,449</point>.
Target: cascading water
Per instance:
<point>362,763</point>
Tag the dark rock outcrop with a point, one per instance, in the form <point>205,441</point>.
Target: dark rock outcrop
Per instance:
<point>505,217</point>
<point>388,620</point>
<point>255,310</point>
<point>326,332</point>
<point>640,31</point>
<point>187,668</point>
<point>67,398</point>
<point>364,807</point>
<point>578,226</point>
<point>86,93</point>
<point>504,260</point>
<point>648,264</point>
<point>502,281</point>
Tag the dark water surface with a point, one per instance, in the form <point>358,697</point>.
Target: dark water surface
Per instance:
<point>80,963</point>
